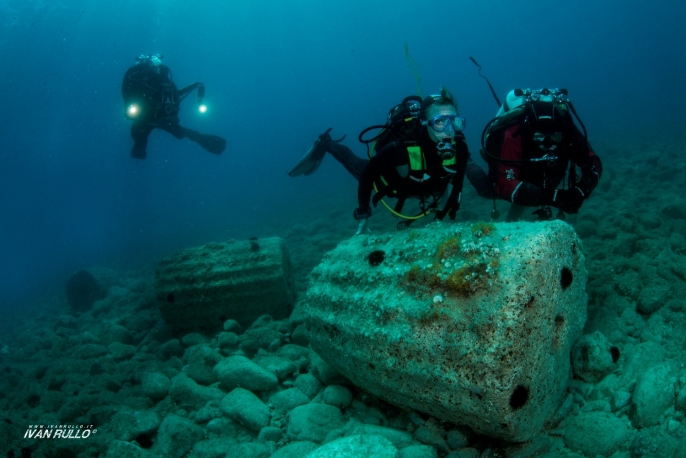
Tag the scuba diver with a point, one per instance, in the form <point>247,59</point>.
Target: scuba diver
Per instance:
<point>529,146</point>
<point>152,100</point>
<point>420,153</point>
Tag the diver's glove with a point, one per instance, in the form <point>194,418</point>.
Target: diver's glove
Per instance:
<point>543,214</point>
<point>362,213</point>
<point>569,200</point>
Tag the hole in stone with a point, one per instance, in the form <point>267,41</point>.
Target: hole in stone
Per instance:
<point>519,397</point>
<point>144,440</point>
<point>559,320</point>
<point>170,298</point>
<point>566,278</point>
<point>376,257</point>
<point>33,400</point>
<point>614,351</point>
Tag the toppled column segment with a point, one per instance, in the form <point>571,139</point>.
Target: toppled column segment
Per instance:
<point>204,286</point>
<point>471,323</point>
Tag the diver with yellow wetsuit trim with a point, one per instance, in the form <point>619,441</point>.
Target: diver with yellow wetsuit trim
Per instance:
<point>426,162</point>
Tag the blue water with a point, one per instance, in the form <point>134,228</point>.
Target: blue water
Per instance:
<point>277,74</point>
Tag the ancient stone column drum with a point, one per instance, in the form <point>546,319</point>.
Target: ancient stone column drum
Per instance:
<point>471,323</point>
<point>241,280</point>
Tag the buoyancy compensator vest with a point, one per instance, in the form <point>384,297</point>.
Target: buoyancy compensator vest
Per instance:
<point>545,120</point>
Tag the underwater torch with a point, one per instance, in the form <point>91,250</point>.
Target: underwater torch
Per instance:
<point>202,108</point>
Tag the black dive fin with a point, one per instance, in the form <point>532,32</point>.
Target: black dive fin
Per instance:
<point>311,161</point>
<point>212,143</point>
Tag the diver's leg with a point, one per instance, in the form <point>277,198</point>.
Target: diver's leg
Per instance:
<point>140,133</point>
<point>350,161</point>
<point>172,126</point>
<point>211,143</point>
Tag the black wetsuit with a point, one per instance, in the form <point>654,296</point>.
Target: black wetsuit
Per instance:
<point>393,159</point>
<point>152,89</point>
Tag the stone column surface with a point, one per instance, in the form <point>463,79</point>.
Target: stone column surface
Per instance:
<point>204,286</point>
<point>470,323</point>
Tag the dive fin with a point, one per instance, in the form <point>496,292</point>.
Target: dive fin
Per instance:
<point>311,161</point>
<point>212,143</point>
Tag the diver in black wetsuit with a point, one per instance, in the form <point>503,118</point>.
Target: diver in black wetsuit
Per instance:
<point>427,162</point>
<point>152,100</point>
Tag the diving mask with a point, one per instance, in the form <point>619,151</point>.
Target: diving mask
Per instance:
<point>442,123</point>
<point>545,94</point>
<point>547,142</point>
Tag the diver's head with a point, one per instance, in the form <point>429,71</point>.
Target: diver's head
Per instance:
<point>547,114</point>
<point>548,107</point>
<point>153,59</point>
<point>439,115</point>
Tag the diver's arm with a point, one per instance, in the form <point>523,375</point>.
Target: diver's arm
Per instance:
<point>509,187</point>
<point>366,185</point>
<point>479,179</point>
<point>452,197</point>
<point>591,172</point>
<point>386,159</point>
<point>184,91</point>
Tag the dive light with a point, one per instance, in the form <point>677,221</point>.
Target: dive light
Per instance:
<point>133,110</point>
<point>202,108</point>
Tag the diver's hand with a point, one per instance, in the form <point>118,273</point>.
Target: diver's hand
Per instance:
<point>362,227</point>
<point>543,213</point>
<point>569,200</point>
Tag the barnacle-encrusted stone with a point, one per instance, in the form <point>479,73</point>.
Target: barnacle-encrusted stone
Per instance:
<point>493,355</point>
